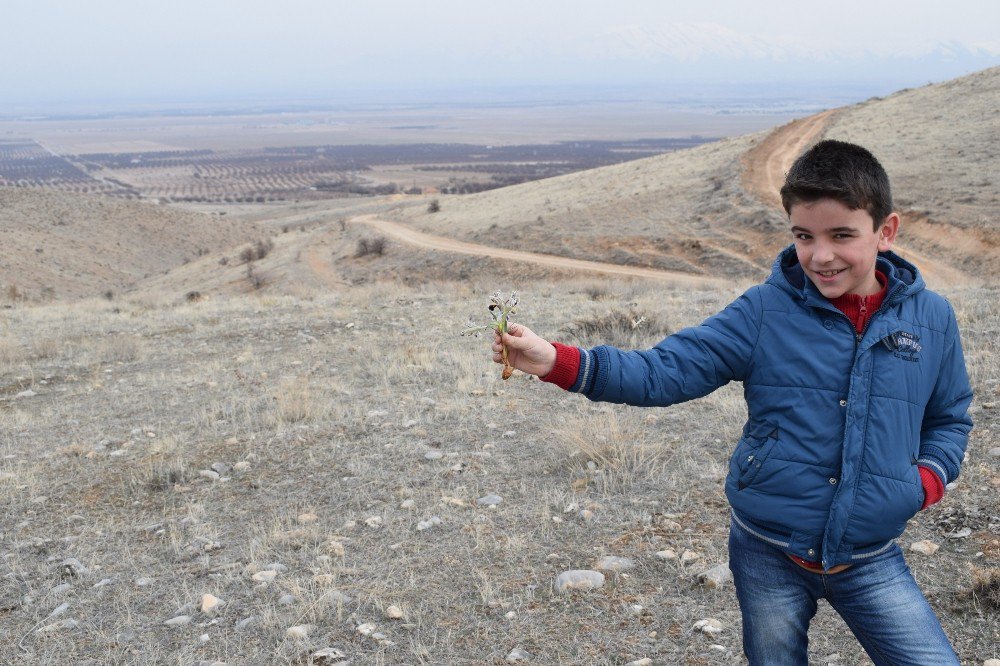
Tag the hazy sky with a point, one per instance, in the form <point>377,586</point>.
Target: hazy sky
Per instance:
<point>186,49</point>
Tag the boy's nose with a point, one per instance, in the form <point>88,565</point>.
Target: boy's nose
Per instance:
<point>823,254</point>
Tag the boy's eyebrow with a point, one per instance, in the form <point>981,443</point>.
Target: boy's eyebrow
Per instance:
<point>835,230</point>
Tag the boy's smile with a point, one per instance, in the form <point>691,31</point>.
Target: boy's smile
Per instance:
<point>837,246</point>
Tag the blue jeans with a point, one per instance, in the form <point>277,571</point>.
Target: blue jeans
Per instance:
<point>878,599</point>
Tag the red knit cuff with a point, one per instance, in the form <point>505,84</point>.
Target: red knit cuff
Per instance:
<point>933,486</point>
<point>566,368</point>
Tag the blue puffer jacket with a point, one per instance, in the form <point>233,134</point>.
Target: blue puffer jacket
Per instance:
<point>827,465</point>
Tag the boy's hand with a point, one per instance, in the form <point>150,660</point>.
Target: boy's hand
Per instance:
<point>526,351</point>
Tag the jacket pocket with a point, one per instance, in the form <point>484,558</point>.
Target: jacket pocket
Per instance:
<point>752,452</point>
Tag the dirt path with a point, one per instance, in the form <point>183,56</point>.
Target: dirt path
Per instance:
<point>431,242</point>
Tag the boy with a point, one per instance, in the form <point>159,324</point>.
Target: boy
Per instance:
<point>857,399</point>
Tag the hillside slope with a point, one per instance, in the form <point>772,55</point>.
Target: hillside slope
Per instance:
<point>59,245</point>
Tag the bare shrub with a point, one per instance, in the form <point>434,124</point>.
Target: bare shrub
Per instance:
<point>10,353</point>
<point>120,349</point>
<point>371,246</point>
<point>434,206</point>
<point>193,296</point>
<point>46,347</point>
<point>294,402</point>
<point>258,250</point>
<point>986,587</point>
<point>256,280</point>
<point>629,330</point>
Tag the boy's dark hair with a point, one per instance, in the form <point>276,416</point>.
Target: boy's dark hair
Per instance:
<point>842,171</point>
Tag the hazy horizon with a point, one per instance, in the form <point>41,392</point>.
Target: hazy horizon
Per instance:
<point>108,52</point>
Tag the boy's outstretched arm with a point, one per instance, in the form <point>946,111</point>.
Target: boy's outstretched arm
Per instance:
<point>944,432</point>
<point>526,351</point>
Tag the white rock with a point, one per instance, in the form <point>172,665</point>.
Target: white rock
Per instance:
<point>63,625</point>
<point>406,504</point>
<point>579,580</point>
<point>510,615</point>
<point>959,534</point>
<point>60,589</point>
<point>490,500</point>
<point>204,638</point>
<point>245,623</point>
<point>220,468</point>
<point>689,556</point>
<point>433,521</point>
<point>374,522</point>
<point>286,600</point>
<point>924,547</point>
<point>434,455</point>
<point>668,554</point>
<point>210,604</point>
<point>995,453</point>
<point>178,621</point>
<point>709,626</point>
<point>612,563</point>
<point>143,582</point>
<point>636,610</point>
<point>645,661</point>
<point>276,566</point>
<point>26,394</point>
<point>517,655</point>
<point>209,474</point>
<point>991,662</point>
<point>394,613</point>
<point>104,582</point>
<point>241,466</point>
<point>367,628</point>
<point>571,507</point>
<point>715,577</point>
<point>299,631</point>
<point>265,576</point>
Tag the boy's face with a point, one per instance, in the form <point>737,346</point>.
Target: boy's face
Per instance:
<point>837,246</point>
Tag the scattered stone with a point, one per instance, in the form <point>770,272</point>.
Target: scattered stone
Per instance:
<point>339,597</point>
<point>286,600</point>
<point>241,466</point>
<point>178,621</point>
<point>579,580</point>
<point>307,517</point>
<point>209,474</point>
<point>433,521</point>
<point>220,468</point>
<point>571,507</point>
<point>715,577</point>
<point>265,576</point>
<point>394,613</point>
<point>104,582</point>
<point>73,568</point>
<point>374,522</point>
<point>367,629</point>
<point>210,604</point>
<point>61,589</point>
<point>709,626</point>
<point>491,501</point>
<point>406,504</point>
<point>143,582</point>
<point>636,609</point>
<point>645,661</point>
<point>434,455</point>
<point>959,534</point>
<point>327,657</point>
<point>689,556</point>
<point>336,548</point>
<point>26,394</point>
<point>62,625</point>
<point>299,631</point>
<point>612,563</point>
<point>991,662</point>
<point>924,547</point>
<point>204,638</point>
<point>995,453</point>
<point>517,655</point>
<point>510,615</point>
<point>277,566</point>
<point>245,623</point>
<point>666,555</point>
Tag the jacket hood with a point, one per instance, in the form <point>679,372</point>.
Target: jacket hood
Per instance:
<point>787,274</point>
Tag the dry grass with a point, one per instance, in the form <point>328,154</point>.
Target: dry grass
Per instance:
<point>322,430</point>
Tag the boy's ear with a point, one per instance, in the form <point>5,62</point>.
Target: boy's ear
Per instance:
<point>887,232</point>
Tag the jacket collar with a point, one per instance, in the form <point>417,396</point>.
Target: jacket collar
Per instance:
<point>786,273</point>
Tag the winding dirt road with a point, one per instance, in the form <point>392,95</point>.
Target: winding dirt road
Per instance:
<point>427,241</point>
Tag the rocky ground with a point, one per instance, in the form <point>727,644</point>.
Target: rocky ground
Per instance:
<point>331,478</point>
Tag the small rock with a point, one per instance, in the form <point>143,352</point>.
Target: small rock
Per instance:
<point>277,566</point>
<point>245,623</point>
<point>510,615</point>
<point>710,626</point>
<point>63,625</point>
<point>26,394</point>
<point>220,468</point>
<point>60,589</point>
<point>645,661</point>
<point>394,613</point>
<point>406,504</point>
<point>374,522</point>
<point>959,534</point>
<point>689,556</point>
<point>104,582</point>
<point>210,604</point>
<point>299,631</point>
<point>265,576</point>
<point>143,582</point>
<point>668,554</point>
<point>367,628</point>
<point>336,548</point>
<point>73,568</point>
<point>579,580</point>
<point>517,655</point>
<point>434,455</point>
<point>571,507</point>
<point>924,547</point>
<point>612,563</point>
<point>328,657</point>
<point>433,521</point>
<point>204,638</point>
<point>715,577</point>
<point>995,453</point>
<point>209,474</point>
<point>490,501</point>
<point>339,597</point>
<point>241,466</point>
<point>991,662</point>
<point>178,621</point>
<point>306,518</point>
<point>636,610</point>
<point>286,600</point>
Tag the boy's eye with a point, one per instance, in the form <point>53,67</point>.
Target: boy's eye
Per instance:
<point>801,236</point>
